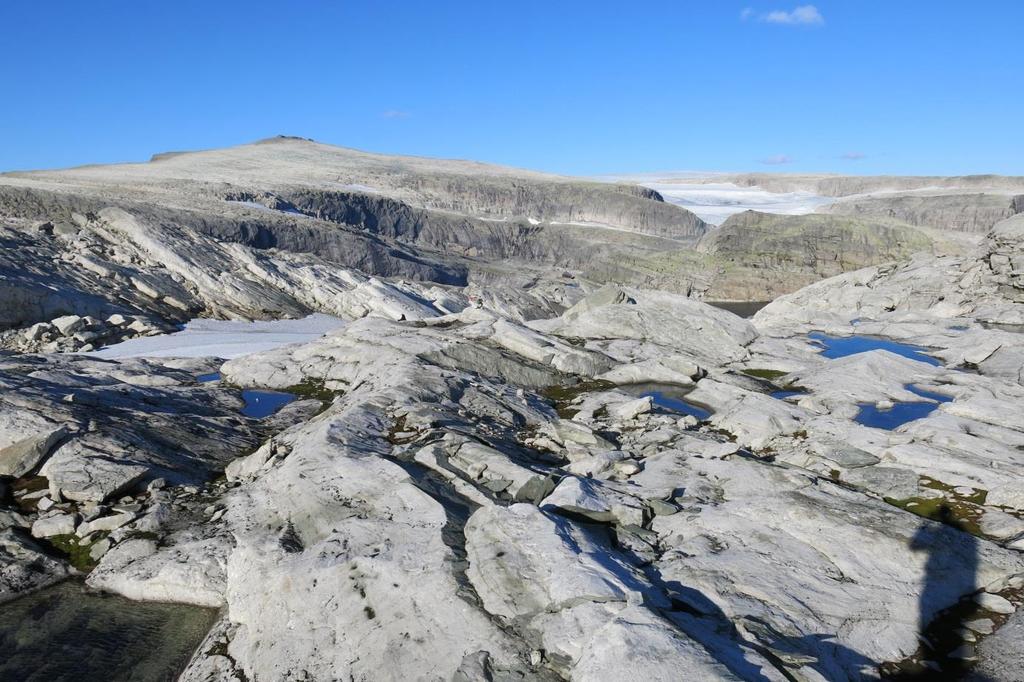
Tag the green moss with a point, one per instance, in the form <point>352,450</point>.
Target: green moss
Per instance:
<point>977,497</point>
<point>74,550</point>
<point>562,395</point>
<point>769,374</point>
<point>963,515</point>
<point>312,388</point>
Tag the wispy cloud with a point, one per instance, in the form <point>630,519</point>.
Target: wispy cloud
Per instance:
<point>806,15</point>
<point>776,160</point>
<point>852,156</point>
<point>395,113</point>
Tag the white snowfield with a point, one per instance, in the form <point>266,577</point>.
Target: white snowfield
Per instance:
<point>224,338</point>
<point>715,202</point>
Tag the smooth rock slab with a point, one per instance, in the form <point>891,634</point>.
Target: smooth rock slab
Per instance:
<point>634,645</point>
<point>21,457</point>
<point>994,603</point>
<point>524,561</point>
<point>78,473</point>
<point>814,571</point>
<point>601,501</point>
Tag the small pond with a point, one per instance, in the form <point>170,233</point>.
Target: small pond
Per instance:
<point>259,403</point>
<point>782,395</point>
<point>68,632</point>
<point>842,346</point>
<point>900,413</point>
<point>668,397</point>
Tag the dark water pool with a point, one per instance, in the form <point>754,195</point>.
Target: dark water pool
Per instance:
<point>741,308</point>
<point>842,346</point>
<point>67,632</point>
<point>261,403</point>
<point>667,397</point>
<point>900,413</point>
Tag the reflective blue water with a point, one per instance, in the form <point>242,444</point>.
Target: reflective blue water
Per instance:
<point>258,403</point>
<point>900,413</point>
<point>676,405</point>
<point>261,403</point>
<point>667,397</point>
<point>782,395</point>
<point>842,346</point>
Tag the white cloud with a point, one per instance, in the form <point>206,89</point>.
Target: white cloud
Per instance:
<point>807,15</point>
<point>853,156</point>
<point>776,160</point>
<point>395,113</point>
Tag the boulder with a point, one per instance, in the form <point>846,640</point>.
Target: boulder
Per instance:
<point>69,324</point>
<point>58,524</point>
<point>23,456</point>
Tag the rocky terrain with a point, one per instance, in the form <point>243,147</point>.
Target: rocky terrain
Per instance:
<point>66,234</point>
<point>503,467</point>
<point>766,255</point>
<point>972,213</point>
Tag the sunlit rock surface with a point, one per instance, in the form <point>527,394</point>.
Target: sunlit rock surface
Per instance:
<point>474,480</point>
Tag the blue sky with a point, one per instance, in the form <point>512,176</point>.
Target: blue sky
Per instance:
<point>575,87</point>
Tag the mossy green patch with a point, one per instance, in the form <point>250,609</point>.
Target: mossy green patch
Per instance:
<point>562,395</point>
<point>768,374</point>
<point>952,508</point>
<point>976,497</point>
<point>75,550</point>
<point>312,388</point>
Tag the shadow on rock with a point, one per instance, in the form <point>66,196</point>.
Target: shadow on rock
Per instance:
<point>950,577</point>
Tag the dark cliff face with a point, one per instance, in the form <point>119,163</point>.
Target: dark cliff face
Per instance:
<point>479,201</point>
<point>622,206</point>
<point>261,230</point>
